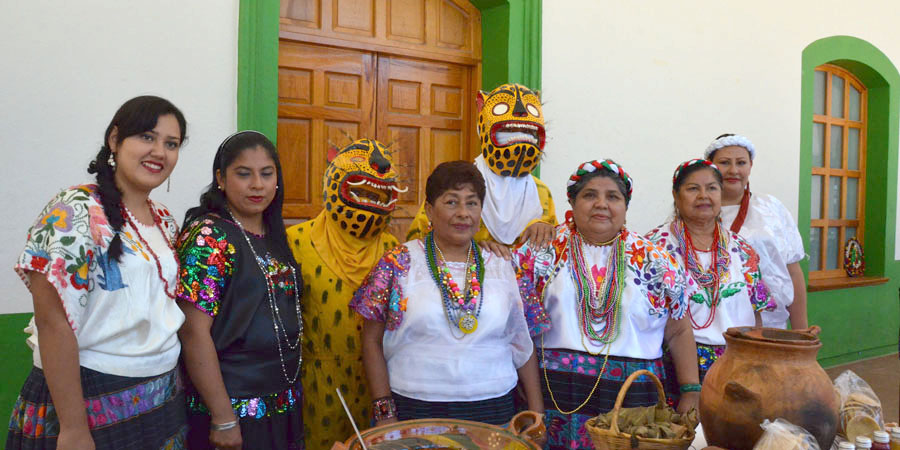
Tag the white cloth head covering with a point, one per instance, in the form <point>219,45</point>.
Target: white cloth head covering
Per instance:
<point>728,141</point>
<point>510,203</point>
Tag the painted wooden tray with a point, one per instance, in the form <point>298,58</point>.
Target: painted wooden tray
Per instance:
<point>522,433</point>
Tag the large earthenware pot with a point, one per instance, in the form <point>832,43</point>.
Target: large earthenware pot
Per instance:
<point>522,433</point>
<point>766,373</point>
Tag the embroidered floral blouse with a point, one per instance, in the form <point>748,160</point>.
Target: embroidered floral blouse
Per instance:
<point>124,322</point>
<point>427,357</point>
<point>741,292</point>
<point>221,277</point>
<point>653,292</point>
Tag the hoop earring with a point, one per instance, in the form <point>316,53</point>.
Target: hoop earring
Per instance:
<point>111,160</point>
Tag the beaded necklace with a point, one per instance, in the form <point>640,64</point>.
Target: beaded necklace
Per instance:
<point>707,279</point>
<point>273,308</point>
<point>599,305</point>
<point>459,307</point>
<point>126,214</point>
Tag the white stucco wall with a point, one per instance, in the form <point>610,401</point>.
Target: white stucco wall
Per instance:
<point>67,67</point>
<point>650,84</point>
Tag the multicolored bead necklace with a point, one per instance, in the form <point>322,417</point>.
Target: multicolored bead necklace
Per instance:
<point>126,214</point>
<point>599,305</point>
<point>462,309</point>
<point>710,279</point>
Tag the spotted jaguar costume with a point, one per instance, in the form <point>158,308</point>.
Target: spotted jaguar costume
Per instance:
<point>511,132</point>
<point>338,248</point>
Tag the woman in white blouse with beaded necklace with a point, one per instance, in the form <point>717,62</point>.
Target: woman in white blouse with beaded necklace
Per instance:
<point>445,335</point>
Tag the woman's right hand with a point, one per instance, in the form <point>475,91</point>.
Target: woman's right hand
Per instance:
<point>229,439</point>
<point>76,439</point>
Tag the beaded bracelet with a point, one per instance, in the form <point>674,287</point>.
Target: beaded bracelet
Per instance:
<point>684,388</point>
<point>384,408</point>
<point>223,426</point>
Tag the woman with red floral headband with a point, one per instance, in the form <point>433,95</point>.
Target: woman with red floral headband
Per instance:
<point>724,287</point>
<point>606,300</point>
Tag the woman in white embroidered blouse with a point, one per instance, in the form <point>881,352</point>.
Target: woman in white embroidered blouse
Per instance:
<point>101,269</point>
<point>445,334</point>
<point>767,225</point>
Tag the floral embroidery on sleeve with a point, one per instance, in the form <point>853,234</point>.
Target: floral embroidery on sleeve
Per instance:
<point>207,262</point>
<point>380,297</point>
<point>532,270</point>
<point>62,245</point>
<point>756,287</point>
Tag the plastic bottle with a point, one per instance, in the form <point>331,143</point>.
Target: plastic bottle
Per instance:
<point>863,442</point>
<point>846,446</point>
<point>895,439</point>
<point>881,441</point>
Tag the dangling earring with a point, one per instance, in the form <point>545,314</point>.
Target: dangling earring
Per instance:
<point>168,183</point>
<point>111,160</point>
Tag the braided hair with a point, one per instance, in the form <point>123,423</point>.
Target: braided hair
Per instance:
<point>134,117</point>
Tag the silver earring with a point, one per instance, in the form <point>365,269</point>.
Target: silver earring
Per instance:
<point>111,160</point>
<point>168,183</point>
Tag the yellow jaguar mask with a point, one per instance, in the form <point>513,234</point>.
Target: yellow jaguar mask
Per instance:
<point>360,188</point>
<point>511,129</point>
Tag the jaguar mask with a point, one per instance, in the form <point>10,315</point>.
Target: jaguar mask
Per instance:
<point>360,188</point>
<point>511,129</point>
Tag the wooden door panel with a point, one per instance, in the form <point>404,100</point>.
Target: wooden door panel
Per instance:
<point>295,135</point>
<point>429,29</point>
<point>325,97</point>
<point>353,17</point>
<point>420,109</point>
<point>302,13</point>
<point>406,21</point>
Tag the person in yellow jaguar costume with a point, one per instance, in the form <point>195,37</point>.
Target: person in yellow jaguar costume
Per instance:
<point>517,205</point>
<point>337,249</point>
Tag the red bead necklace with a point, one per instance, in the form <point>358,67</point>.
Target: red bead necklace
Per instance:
<point>126,214</point>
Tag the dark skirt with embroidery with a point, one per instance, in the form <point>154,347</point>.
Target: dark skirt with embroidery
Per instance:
<point>706,356</point>
<point>572,376</point>
<point>496,411</point>
<point>122,412</point>
<point>272,421</point>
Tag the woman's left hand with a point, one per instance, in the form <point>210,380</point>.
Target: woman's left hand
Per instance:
<point>688,400</point>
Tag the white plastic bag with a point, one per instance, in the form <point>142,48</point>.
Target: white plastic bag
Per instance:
<point>860,412</point>
<point>783,435</point>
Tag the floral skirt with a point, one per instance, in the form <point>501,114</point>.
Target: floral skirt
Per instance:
<point>571,376</point>
<point>273,421</point>
<point>496,411</point>
<point>122,412</point>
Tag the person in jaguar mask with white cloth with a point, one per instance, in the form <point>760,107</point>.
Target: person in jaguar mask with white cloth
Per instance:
<point>517,205</point>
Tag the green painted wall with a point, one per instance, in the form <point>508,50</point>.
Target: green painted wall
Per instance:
<point>15,362</point>
<point>859,322</point>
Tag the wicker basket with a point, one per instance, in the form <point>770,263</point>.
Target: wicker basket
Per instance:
<point>613,439</point>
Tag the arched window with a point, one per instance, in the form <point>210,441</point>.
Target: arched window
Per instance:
<point>837,200</point>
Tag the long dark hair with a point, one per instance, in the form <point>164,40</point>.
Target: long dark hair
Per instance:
<point>214,201</point>
<point>134,117</point>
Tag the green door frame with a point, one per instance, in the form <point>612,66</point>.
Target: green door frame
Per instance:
<point>511,53</point>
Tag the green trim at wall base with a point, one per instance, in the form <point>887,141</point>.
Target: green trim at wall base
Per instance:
<point>858,356</point>
<point>16,361</point>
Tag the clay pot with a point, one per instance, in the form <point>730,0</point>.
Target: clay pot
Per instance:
<point>767,373</point>
<point>525,431</point>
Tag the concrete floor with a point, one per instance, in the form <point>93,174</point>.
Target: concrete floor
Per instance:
<point>883,375</point>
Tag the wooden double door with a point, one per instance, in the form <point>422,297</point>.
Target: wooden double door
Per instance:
<point>333,90</point>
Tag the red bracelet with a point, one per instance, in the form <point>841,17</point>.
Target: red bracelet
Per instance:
<point>384,408</point>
